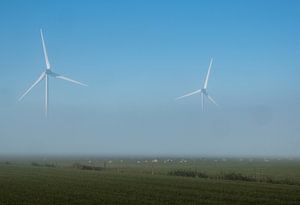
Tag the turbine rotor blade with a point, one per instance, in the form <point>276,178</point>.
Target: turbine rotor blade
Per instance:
<point>33,85</point>
<point>56,75</point>
<point>208,72</point>
<point>189,94</point>
<point>212,100</point>
<point>45,51</point>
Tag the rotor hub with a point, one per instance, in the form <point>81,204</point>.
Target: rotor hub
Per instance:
<point>204,91</point>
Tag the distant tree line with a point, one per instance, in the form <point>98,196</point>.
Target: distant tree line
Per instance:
<point>233,176</point>
<point>87,167</point>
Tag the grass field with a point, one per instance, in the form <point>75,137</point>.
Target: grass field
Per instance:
<point>146,181</point>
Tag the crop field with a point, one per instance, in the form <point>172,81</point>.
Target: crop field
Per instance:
<point>149,181</point>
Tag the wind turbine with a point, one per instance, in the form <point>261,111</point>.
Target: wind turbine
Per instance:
<point>202,91</point>
<point>46,75</point>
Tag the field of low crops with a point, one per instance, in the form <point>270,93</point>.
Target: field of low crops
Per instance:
<point>148,181</point>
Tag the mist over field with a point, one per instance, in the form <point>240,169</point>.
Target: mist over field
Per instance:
<point>166,129</point>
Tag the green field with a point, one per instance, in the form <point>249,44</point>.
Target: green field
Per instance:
<point>144,181</point>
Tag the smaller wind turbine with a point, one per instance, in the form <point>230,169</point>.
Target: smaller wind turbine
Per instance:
<point>46,75</point>
<point>202,91</point>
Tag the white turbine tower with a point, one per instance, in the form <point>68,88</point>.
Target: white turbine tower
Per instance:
<point>202,91</point>
<point>45,75</point>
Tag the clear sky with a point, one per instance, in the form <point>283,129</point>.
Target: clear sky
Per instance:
<point>136,57</point>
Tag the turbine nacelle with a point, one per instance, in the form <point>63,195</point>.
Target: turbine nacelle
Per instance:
<point>204,91</point>
<point>48,71</point>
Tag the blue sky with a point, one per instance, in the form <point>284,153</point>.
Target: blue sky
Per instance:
<point>136,57</point>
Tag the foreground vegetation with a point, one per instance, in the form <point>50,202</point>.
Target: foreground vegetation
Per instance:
<point>133,181</point>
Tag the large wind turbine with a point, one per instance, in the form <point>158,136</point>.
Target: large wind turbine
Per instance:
<point>202,91</point>
<point>46,75</point>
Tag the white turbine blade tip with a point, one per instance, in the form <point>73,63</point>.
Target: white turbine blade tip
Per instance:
<point>189,94</point>
<point>212,100</point>
<point>208,72</point>
<point>83,84</point>
<point>178,98</point>
<point>56,75</point>
<point>45,50</point>
<point>32,86</point>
